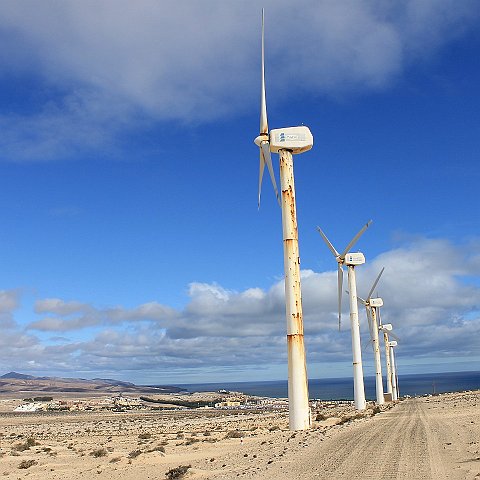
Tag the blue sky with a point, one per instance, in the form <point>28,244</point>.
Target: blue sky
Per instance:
<point>132,243</point>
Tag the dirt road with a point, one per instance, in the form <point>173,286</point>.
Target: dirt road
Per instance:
<point>419,439</point>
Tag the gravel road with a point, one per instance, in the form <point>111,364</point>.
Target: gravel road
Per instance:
<point>418,439</point>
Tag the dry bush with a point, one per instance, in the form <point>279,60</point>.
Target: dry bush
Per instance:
<point>21,447</point>
<point>99,452</point>
<point>234,434</point>
<point>320,417</point>
<point>177,472</point>
<point>157,449</point>
<point>134,454</point>
<point>27,463</point>
<point>190,441</point>
<point>145,436</point>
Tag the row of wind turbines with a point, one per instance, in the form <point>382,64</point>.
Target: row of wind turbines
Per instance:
<point>287,142</point>
<point>372,307</point>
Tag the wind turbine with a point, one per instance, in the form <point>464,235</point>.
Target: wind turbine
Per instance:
<point>392,346</point>
<point>286,142</point>
<point>389,356</point>
<point>371,306</point>
<point>351,260</point>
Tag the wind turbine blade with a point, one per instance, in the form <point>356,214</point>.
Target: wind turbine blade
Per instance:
<point>375,284</point>
<point>379,317</point>
<point>268,160</point>
<point>327,241</point>
<point>340,286</point>
<point>393,336</point>
<point>366,345</point>
<point>362,300</point>
<point>260,176</point>
<point>355,239</point>
<point>263,100</point>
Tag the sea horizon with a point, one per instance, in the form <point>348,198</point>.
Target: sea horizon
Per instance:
<point>342,388</point>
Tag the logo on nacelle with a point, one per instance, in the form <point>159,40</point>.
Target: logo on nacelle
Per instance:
<point>290,137</point>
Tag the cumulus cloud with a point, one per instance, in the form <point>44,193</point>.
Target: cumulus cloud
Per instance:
<point>9,301</point>
<point>426,287</point>
<point>102,67</point>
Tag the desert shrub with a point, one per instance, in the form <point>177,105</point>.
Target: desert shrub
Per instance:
<point>115,459</point>
<point>320,417</point>
<point>177,472</point>
<point>234,434</point>
<point>210,440</point>
<point>21,447</point>
<point>99,452</point>
<point>273,428</point>
<point>206,433</point>
<point>190,441</point>
<point>157,449</point>
<point>27,463</point>
<point>134,454</point>
<point>145,436</point>
<point>376,410</point>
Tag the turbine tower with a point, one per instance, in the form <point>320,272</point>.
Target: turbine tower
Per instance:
<point>371,306</point>
<point>286,142</point>
<point>351,260</point>
<point>392,346</point>
<point>387,331</point>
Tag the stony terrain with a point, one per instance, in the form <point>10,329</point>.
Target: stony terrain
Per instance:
<point>427,438</point>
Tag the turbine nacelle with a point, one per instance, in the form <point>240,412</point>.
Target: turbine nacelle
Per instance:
<point>295,139</point>
<point>393,343</point>
<point>375,302</point>
<point>354,259</point>
<point>387,327</point>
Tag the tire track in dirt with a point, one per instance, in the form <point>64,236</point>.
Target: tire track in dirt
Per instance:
<point>396,444</point>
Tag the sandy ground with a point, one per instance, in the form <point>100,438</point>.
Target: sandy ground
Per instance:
<point>427,438</point>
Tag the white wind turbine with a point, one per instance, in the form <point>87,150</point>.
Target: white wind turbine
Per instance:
<point>389,356</point>
<point>392,346</point>
<point>372,305</point>
<point>285,142</point>
<point>351,260</point>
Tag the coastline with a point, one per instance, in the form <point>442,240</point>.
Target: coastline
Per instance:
<point>342,388</point>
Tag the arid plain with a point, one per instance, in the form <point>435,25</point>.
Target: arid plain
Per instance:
<point>426,438</point>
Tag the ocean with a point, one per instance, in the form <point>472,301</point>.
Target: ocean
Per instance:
<point>342,388</point>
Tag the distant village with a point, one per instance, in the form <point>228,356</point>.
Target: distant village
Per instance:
<point>122,403</point>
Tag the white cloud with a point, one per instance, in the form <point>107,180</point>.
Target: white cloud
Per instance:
<point>9,301</point>
<point>102,67</point>
<point>434,310</point>
<point>60,307</point>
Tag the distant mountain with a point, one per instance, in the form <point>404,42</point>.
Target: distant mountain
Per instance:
<point>18,376</point>
<point>113,382</point>
<point>18,382</point>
